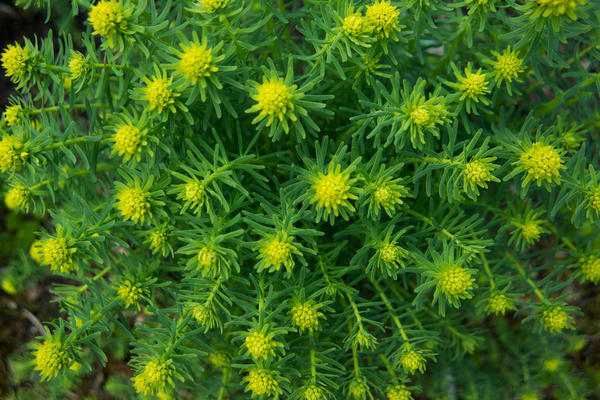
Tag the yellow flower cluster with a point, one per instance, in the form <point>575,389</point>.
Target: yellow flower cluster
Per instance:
<point>332,190</point>
<point>478,173</point>
<point>58,255</point>
<point>219,359</point>
<point>399,392</point>
<point>542,163</point>
<point>353,25</point>
<point>530,396</point>
<point>313,392</point>
<point>455,282</point>
<point>131,293</point>
<point>260,345</point>
<point>558,8</point>
<point>155,376</point>
<point>412,361</point>
<point>473,84</point>
<point>134,204</point>
<point>207,259</point>
<point>158,93</point>
<point>305,316</point>
<point>274,99</point>
<point>129,141</point>
<point>276,252</point>
<point>590,268</point>
<point>14,61</point>
<point>262,382</point>
<point>193,192</point>
<point>387,197</point>
<point>390,252</point>
<point>50,357</point>
<point>196,62</point>
<point>202,314</point>
<point>78,65</point>
<point>211,6</point>
<point>17,198</point>
<point>498,303</point>
<point>555,319</point>
<point>382,18</point>
<point>508,65</point>
<point>9,153</point>
<point>358,389</point>
<point>594,199</point>
<point>13,115</point>
<point>107,19</point>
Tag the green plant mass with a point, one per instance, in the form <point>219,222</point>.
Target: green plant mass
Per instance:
<point>309,199</point>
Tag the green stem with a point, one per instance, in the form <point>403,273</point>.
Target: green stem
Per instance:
<point>224,382</point>
<point>390,308</point>
<point>486,267</point>
<point>117,66</point>
<point>68,142</point>
<point>75,334</point>
<point>388,366</point>
<point>100,168</point>
<point>69,108</point>
<point>529,281</point>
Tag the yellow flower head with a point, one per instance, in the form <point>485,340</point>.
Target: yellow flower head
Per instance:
<point>313,392</point>
<point>36,251</point>
<point>305,316</point>
<point>558,8</point>
<point>260,345</point>
<point>353,25</point>
<point>58,255</point>
<point>10,148</point>
<point>156,376</point>
<point>478,173</point>
<point>15,61</point>
<point>17,198</point>
<point>390,252</point>
<point>129,141</point>
<point>50,357</point>
<point>531,231</point>
<point>542,163</point>
<point>590,268</point>
<point>358,389</point>
<point>420,116</point>
<point>499,303</point>
<point>277,251</point>
<point>594,200</point>
<point>456,282</point>
<point>196,62</point>
<point>202,314</point>
<point>194,193</point>
<point>473,84</point>
<point>157,240</point>
<point>274,99</point>
<point>219,359</point>
<point>382,18</point>
<point>207,260</point>
<point>158,95</point>
<point>412,361</point>
<point>134,204</point>
<point>8,285</point>
<point>508,65</point>
<point>14,115</point>
<point>261,382</point>
<point>107,19</point>
<point>78,65</point>
<point>398,392</point>
<point>555,319</point>
<point>210,6</point>
<point>552,364</point>
<point>333,190</point>
<point>131,293</point>
<point>530,396</point>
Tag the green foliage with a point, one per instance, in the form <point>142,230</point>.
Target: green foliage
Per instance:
<point>309,199</point>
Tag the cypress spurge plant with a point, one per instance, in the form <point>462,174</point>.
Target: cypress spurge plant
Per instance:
<point>307,199</point>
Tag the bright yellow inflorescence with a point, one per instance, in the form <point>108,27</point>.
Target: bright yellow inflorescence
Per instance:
<point>306,316</point>
<point>155,376</point>
<point>261,382</point>
<point>131,293</point>
<point>555,319</point>
<point>412,361</point>
<point>420,116</point>
<point>456,281</point>
<point>207,259</point>
<point>157,240</point>
<point>358,389</point>
<point>14,61</point>
<point>9,153</point>
<point>276,252</point>
<point>331,190</point>
<point>17,197</point>
<point>50,358</point>
<point>58,255</point>
<point>477,173</point>
<point>558,8</point>
<point>542,162</point>
<point>590,269</point>
<point>219,359</point>
<point>399,392</point>
<point>36,251</point>
<point>498,304</point>
<point>552,364</point>
<point>274,100</point>
<point>134,204</point>
<point>129,141</point>
<point>387,197</point>
<point>473,84</point>
<point>313,392</point>
<point>531,231</point>
<point>78,65</point>
<point>508,65</point>
<point>157,93</point>
<point>193,192</point>
<point>594,199</point>
<point>106,18</point>
<point>259,345</point>
<point>196,62</point>
<point>382,18</point>
<point>353,25</point>
<point>530,396</point>
<point>210,6</point>
<point>202,314</point>
<point>13,115</point>
<point>389,252</point>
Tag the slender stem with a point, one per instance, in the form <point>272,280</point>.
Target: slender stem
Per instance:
<point>313,366</point>
<point>486,267</point>
<point>77,140</point>
<point>224,382</point>
<point>388,366</point>
<point>81,172</point>
<point>529,281</point>
<point>390,308</point>
<point>117,66</point>
<point>57,108</point>
<point>355,360</point>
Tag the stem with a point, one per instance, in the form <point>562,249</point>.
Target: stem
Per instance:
<point>224,382</point>
<point>388,366</point>
<point>117,66</point>
<point>75,334</point>
<point>486,267</point>
<point>529,281</point>
<point>68,142</point>
<point>390,308</point>
<point>100,168</point>
<point>57,108</point>
<point>313,367</point>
